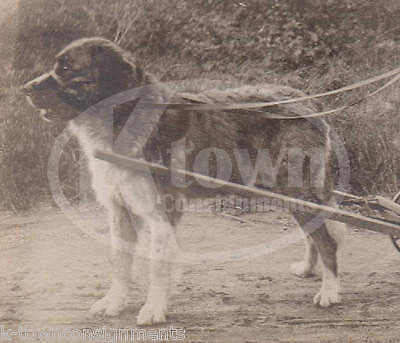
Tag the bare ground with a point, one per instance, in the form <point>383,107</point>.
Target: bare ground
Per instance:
<point>52,272</point>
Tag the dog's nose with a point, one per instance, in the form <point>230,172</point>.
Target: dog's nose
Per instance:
<point>41,83</point>
<point>27,88</point>
<point>30,86</point>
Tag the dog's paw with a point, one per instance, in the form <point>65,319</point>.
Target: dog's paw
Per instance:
<point>151,314</point>
<point>301,269</point>
<point>108,306</point>
<point>326,298</point>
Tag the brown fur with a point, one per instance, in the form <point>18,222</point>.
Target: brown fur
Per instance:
<point>92,70</point>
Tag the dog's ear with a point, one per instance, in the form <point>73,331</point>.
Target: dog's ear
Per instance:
<point>108,59</point>
<point>115,72</point>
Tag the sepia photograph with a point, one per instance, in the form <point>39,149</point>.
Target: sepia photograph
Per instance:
<point>200,171</point>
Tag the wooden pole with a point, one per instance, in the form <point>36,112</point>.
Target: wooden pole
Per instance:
<point>292,204</point>
<point>389,204</point>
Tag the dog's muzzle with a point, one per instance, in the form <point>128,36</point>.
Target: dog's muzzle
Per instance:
<point>46,94</point>
<point>41,83</point>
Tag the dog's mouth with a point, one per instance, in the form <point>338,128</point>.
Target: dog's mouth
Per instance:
<point>48,114</point>
<point>45,114</point>
<point>51,116</point>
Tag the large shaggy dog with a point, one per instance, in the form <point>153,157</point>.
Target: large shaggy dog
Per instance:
<point>288,156</point>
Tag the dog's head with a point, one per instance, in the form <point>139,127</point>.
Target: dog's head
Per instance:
<point>85,72</point>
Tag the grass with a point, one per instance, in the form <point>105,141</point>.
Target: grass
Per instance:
<point>315,50</point>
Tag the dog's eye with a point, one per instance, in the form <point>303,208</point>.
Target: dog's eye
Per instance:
<point>65,67</point>
<point>62,67</point>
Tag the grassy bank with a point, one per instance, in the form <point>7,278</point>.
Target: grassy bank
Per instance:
<point>315,46</point>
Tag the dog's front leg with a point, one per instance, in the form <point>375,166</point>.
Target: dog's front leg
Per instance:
<point>123,239</point>
<point>163,252</point>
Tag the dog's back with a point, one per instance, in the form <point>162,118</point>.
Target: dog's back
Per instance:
<point>231,143</point>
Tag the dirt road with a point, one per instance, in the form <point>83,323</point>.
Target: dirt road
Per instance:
<point>52,272</point>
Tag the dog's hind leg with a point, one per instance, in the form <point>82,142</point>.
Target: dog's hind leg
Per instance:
<point>123,239</point>
<point>306,268</point>
<point>327,239</point>
<point>164,250</point>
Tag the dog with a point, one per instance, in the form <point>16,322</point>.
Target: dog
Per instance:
<point>90,71</point>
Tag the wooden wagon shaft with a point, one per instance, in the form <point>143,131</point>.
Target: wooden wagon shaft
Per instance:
<point>348,195</point>
<point>377,202</point>
<point>292,204</point>
<point>389,204</point>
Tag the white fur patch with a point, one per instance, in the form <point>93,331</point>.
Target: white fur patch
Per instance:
<point>113,303</point>
<point>329,293</point>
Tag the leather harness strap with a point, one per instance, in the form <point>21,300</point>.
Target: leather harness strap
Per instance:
<point>257,107</point>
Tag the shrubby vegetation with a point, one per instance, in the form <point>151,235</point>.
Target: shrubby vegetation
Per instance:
<point>314,45</point>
